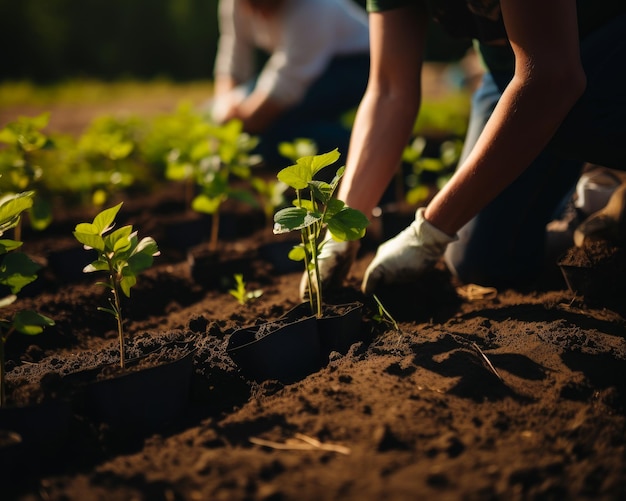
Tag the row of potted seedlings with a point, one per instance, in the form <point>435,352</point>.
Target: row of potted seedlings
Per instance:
<point>129,394</point>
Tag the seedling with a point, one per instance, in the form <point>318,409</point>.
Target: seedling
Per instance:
<point>441,167</point>
<point>383,316</point>
<point>225,154</point>
<point>24,144</point>
<point>272,195</point>
<point>300,147</point>
<point>121,255</point>
<point>16,271</point>
<point>314,214</point>
<point>241,293</point>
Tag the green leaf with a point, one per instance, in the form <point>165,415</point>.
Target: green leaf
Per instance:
<point>30,322</point>
<point>7,300</point>
<point>9,245</point>
<point>297,253</point>
<point>128,281</point>
<point>206,205</point>
<point>294,218</point>
<point>348,224</point>
<point>104,220</point>
<point>322,191</point>
<point>40,214</point>
<point>316,163</point>
<point>91,240</point>
<point>18,270</point>
<point>297,176</point>
<point>119,240</point>
<point>11,206</point>
<point>334,206</point>
<point>98,265</point>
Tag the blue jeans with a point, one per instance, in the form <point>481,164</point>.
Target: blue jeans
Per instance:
<point>318,116</point>
<point>504,245</point>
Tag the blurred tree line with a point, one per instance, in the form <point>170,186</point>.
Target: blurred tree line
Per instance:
<point>51,40</point>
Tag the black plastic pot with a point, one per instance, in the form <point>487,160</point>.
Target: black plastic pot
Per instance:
<point>284,350</point>
<point>338,328</point>
<point>144,399</point>
<point>214,269</point>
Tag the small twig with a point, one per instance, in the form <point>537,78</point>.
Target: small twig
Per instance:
<point>489,364</point>
<point>306,444</point>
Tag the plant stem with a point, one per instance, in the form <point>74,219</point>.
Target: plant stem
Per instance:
<point>215,228</point>
<point>118,313</point>
<point>318,280</point>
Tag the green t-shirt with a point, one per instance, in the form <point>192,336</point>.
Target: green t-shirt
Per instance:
<point>481,20</point>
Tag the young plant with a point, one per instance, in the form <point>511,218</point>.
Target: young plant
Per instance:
<point>226,153</point>
<point>272,195</point>
<point>314,210</point>
<point>241,293</point>
<point>16,271</point>
<point>441,168</point>
<point>20,166</point>
<point>383,316</point>
<point>121,255</point>
<point>299,147</point>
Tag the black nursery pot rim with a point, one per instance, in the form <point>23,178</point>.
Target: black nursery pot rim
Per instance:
<point>278,324</point>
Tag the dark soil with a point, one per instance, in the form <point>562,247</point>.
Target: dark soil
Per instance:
<point>520,396</point>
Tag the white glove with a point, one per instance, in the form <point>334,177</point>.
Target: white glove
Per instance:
<point>407,255</point>
<point>334,263</point>
<point>609,222</point>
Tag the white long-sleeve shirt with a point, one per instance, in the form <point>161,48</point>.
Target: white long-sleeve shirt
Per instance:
<point>301,39</point>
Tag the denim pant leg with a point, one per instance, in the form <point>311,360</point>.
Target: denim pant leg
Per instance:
<point>504,245</point>
<point>318,116</point>
<point>595,129</point>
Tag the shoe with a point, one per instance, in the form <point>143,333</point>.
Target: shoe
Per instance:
<point>334,263</point>
<point>609,223</point>
<point>407,255</point>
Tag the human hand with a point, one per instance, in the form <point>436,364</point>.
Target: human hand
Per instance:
<point>225,105</point>
<point>335,260</point>
<point>407,255</point>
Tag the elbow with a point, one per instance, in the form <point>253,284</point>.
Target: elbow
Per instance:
<point>567,83</point>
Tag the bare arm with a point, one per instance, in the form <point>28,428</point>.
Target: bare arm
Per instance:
<point>548,81</point>
<point>257,112</point>
<point>387,113</point>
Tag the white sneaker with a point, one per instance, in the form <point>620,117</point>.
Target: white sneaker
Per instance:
<point>407,255</point>
<point>334,263</point>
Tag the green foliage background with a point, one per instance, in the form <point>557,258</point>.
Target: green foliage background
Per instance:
<point>50,40</point>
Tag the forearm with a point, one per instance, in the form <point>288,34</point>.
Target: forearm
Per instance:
<point>258,111</point>
<point>520,127</point>
<point>382,129</point>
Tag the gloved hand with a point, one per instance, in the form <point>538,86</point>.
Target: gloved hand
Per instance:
<point>335,260</point>
<point>407,255</point>
<point>608,223</point>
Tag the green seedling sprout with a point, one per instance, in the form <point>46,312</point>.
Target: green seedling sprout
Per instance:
<point>121,255</point>
<point>226,153</point>
<point>298,148</point>
<point>241,293</point>
<point>442,167</point>
<point>16,271</point>
<point>383,316</point>
<point>272,195</point>
<point>20,166</point>
<point>310,216</point>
